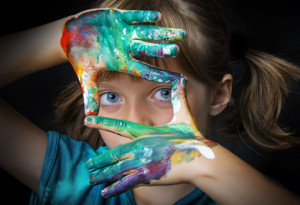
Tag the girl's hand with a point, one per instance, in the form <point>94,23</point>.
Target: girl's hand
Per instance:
<point>153,153</point>
<point>108,39</point>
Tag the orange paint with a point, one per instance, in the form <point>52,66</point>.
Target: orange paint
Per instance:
<point>135,71</point>
<point>65,40</point>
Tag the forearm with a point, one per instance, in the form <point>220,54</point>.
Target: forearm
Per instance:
<point>30,51</point>
<point>229,180</point>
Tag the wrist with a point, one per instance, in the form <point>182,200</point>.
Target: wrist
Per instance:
<point>60,28</point>
<point>202,168</point>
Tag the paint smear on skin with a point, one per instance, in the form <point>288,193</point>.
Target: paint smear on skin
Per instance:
<point>80,34</point>
<point>85,38</point>
<point>136,72</point>
<point>65,40</point>
<point>148,50</point>
<point>134,35</point>
<point>182,156</point>
<point>124,31</point>
<point>203,149</point>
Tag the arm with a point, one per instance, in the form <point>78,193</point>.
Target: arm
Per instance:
<point>22,147</point>
<point>22,144</point>
<point>229,180</point>
<point>29,51</point>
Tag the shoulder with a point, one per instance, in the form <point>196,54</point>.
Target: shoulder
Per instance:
<point>64,175</point>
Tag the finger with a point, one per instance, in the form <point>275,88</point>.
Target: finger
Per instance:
<point>148,72</point>
<point>90,92</point>
<point>132,16</point>
<point>146,32</point>
<point>112,172</point>
<point>181,111</point>
<point>125,184</point>
<point>110,157</point>
<point>142,49</point>
<point>117,126</point>
<point>125,128</point>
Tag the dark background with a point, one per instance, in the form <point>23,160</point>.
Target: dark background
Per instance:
<point>271,26</point>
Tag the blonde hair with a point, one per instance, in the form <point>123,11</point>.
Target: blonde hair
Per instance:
<point>204,55</point>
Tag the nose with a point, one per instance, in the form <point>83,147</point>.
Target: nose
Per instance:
<point>140,113</point>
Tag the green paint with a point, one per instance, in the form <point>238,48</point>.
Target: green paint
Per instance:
<point>105,39</point>
<point>132,17</point>
<point>152,154</point>
<point>136,130</point>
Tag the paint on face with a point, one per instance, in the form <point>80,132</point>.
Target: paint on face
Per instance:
<point>105,39</point>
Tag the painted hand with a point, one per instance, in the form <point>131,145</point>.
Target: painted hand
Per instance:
<point>151,156</point>
<point>109,39</point>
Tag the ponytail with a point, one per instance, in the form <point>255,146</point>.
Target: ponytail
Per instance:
<point>265,84</point>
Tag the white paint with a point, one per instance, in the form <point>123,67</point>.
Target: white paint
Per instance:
<point>203,149</point>
<point>134,35</point>
<point>116,51</point>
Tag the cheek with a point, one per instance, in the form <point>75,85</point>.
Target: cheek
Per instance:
<point>160,119</point>
<point>113,140</point>
<point>199,106</point>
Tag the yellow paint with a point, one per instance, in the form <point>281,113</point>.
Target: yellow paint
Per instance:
<point>125,68</point>
<point>78,70</point>
<point>177,37</point>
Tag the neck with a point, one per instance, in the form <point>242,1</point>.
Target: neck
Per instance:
<point>150,195</point>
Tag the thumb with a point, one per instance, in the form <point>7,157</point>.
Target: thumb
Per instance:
<point>88,81</point>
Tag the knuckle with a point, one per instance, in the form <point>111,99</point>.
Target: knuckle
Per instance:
<point>120,124</point>
<point>114,156</point>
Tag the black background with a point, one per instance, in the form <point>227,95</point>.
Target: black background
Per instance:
<point>271,26</point>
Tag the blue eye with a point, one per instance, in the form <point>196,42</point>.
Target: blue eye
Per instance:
<point>109,98</point>
<point>163,94</point>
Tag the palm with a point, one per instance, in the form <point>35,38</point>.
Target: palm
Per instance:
<point>98,37</point>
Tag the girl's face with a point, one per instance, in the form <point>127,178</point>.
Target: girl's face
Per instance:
<point>147,102</point>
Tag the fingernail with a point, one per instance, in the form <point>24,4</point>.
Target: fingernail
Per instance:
<point>156,15</point>
<point>92,179</point>
<point>88,120</point>
<point>104,193</point>
<point>183,80</point>
<point>183,34</point>
<point>89,165</point>
<point>175,50</point>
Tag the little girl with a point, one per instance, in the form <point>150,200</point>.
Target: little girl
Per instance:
<point>53,165</point>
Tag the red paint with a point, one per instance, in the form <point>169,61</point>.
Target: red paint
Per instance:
<point>143,53</point>
<point>161,52</point>
<point>78,36</point>
<point>65,40</point>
